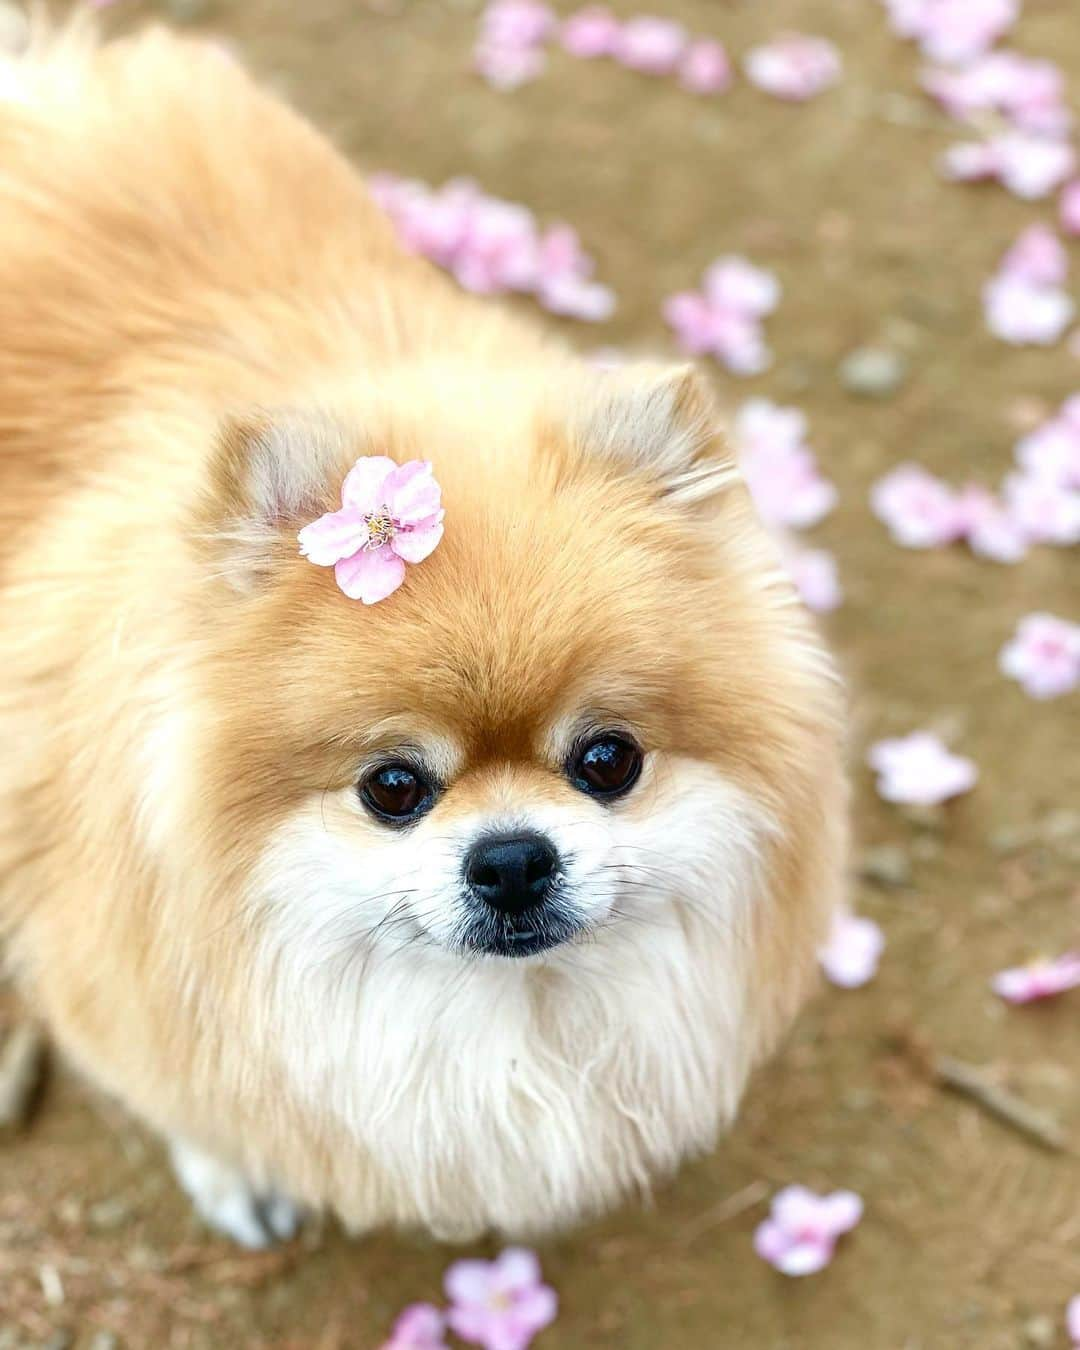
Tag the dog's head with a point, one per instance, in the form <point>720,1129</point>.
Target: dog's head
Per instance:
<point>592,728</point>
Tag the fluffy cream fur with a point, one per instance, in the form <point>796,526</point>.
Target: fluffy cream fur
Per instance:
<point>206,321</point>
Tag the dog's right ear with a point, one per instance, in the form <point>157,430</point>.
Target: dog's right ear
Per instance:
<point>272,474</point>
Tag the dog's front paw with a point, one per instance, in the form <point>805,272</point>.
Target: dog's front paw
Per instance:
<point>228,1202</point>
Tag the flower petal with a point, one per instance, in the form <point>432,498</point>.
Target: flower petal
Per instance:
<point>416,544</point>
<point>334,536</point>
<point>468,1281</point>
<point>806,1257</point>
<point>370,576</point>
<point>411,492</point>
<point>364,480</point>
<point>517,1268</point>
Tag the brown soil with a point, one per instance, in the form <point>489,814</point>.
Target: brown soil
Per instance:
<point>972,1233</point>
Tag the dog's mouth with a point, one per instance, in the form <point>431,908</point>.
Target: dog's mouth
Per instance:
<point>525,934</point>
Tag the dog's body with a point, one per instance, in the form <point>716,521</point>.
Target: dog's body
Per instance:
<point>190,892</point>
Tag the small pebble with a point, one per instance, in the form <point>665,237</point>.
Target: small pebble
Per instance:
<point>886,865</point>
<point>1008,839</point>
<point>872,372</point>
<point>109,1213</point>
<point>1040,1332</point>
<point>104,1340</point>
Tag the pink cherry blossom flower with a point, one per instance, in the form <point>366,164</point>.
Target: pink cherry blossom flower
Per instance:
<point>919,509</point>
<point>1041,979</point>
<point>420,1327</point>
<point>651,45</point>
<point>953,31</point>
<point>851,955</point>
<point>390,515</point>
<point>799,1237</point>
<point>501,1304</point>
<point>918,770</point>
<point>705,68</point>
<point>1072,1320</point>
<point>794,66</point>
<point>1019,312</point>
<point>813,570</point>
<point>591,32</point>
<point>1070,207</point>
<point>1043,655</point>
<point>1031,94</point>
<point>1047,511</point>
<point>517,23</point>
<point>782,474</point>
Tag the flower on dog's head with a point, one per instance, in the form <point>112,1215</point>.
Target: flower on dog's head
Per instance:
<point>391,514</point>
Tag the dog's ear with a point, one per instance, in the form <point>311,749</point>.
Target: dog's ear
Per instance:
<point>660,421</point>
<point>272,474</point>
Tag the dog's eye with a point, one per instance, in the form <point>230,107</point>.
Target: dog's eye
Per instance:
<point>606,766</point>
<point>395,792</point>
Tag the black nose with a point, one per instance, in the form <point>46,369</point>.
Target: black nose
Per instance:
<point>511,872</point>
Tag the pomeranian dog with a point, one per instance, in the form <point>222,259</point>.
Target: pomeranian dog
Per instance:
<point>472,908</point>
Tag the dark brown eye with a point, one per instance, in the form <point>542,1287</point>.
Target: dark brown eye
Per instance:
<point>396,792</point>
<point>606,766</point>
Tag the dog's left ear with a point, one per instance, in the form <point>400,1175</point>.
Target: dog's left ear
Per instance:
<point>273,473</point>
<point>662,422</point>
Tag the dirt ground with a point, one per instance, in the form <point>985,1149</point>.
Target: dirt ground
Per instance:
<point>972,1232</point>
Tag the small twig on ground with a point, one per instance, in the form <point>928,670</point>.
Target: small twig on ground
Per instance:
<point>729,1208</point>
<point>970,1081</point>
<point>978,1085</point>
<point>22,1064</point>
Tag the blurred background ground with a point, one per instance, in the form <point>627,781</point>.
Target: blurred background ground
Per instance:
<point>972,1233</point>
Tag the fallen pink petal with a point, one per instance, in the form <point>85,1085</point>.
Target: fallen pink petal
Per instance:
<point>850,957</point>
<point>591,32</point>
<point>1029,93</point>
<point>794,66</point>
<point>781,470</point>
<point>651,45</point>
<point>1038,256</point>
<point>1038,980</point>
<point>953,31</point>
<point>723,319</point>
<point>918,770</point>
<point>1025,314</point>
<point>816,578</point>
<point>920,510</point>
<point>493,247</point>
<point>420,1327</point>
<point>705,68</point>
<point>800,1235</point>
<point>517,23</point>
<point>1043,656</point>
